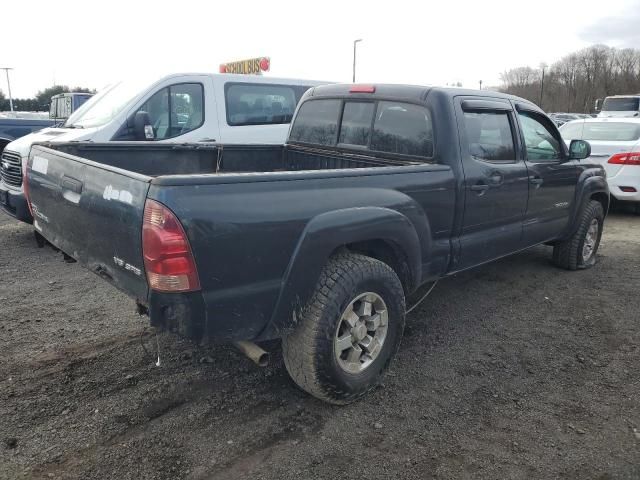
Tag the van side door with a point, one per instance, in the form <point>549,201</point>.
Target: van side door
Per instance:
<point>552,177</point>
<point>495,180</point>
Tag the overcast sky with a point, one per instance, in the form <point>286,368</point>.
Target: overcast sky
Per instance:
<point>93,43</point>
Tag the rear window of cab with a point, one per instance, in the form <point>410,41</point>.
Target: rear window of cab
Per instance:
<point>387,127</point>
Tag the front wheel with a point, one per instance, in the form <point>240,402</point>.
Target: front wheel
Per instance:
<point>349,331</point>
<point>579,251</point>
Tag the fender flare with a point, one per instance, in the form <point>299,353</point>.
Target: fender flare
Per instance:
<point>322,236</point>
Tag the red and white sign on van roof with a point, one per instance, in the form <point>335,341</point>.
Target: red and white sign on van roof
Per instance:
<point>252,66</point>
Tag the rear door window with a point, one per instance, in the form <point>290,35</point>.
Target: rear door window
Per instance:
<point>53,109</point>
<point>261,104</point>
<point>317,122</point>
<point>402,128</point>
<point>489,136</point>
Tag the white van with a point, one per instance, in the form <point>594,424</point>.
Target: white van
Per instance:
<point>185,107</point>
<point>619,106</point>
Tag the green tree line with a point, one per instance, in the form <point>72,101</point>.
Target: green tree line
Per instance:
<point>41,101</point>
<point>573,83</point>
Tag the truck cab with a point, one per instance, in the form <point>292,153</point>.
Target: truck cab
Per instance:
<point>177,108</point>
<point>64,104</point>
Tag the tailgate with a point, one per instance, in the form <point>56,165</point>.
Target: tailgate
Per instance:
<point>92,212</point>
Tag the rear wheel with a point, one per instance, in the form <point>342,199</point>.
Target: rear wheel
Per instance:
<point>349,331</point>
<point>579,251</point>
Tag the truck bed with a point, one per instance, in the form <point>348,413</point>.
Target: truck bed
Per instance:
<point>158,159</point>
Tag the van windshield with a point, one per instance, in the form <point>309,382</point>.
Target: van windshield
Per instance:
<point>621,104</point>
<point>103,107</point>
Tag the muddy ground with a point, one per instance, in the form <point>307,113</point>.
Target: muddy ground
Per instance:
<point>514,370</point>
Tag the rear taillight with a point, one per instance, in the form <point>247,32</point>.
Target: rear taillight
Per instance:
<point>25,187</point>
<point>629,158</point>
<point>167,255</point>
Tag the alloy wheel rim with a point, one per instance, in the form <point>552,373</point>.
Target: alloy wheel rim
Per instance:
<point>590,239</point>
<point>361,333</point>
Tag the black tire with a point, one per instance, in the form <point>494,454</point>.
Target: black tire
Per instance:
<point>309,351</point>
<point>569,254</point>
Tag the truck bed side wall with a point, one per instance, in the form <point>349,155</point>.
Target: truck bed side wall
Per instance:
<point>249,235</point>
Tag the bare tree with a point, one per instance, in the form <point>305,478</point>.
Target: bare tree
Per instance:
<point>575,81</point>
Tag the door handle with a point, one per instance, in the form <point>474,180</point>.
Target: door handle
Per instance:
<point>535,181</point>
<point>496,179</point>
<point>480,188</point>
<point>71,189</point>
<point>72,184</point>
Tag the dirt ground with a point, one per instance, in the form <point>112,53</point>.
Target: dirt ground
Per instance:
<point>515,370</point>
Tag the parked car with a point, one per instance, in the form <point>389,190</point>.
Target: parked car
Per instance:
<point>562,118</point>
<point>176,108</point>
<point>619,106</point>
<point>615,144</point>
<point>322,242</point>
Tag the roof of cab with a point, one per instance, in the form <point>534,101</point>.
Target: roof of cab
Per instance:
<point>407,92</point>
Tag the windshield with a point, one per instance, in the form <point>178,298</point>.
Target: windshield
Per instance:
<point>103,107</point>
<point>621,104</point>
<point>601,131</point>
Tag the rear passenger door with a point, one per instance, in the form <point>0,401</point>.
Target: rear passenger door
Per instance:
<point>495,180</point>
<point>552,178</point>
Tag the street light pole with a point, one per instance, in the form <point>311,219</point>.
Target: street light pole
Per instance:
<point>355,42</point>
<point>6,69</point>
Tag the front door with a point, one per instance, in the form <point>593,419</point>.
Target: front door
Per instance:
<point>552,179</point>
<point>495,181</point>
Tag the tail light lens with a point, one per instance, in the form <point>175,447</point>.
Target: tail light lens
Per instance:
<point>25,185</point>
<point>629,158</point>
<point>168,260</point>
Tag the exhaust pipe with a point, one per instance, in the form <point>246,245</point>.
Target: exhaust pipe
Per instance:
<point>253,352</point>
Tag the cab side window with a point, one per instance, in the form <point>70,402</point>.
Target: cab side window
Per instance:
<point>175,110</point>
<point>489,136</point>
<point>541,143</point>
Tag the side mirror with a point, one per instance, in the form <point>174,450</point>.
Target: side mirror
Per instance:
<point>579,150</point>
<point>142,128</point>
<point>598,105</point>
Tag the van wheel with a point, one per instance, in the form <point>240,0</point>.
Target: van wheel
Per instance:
<point>349,331</point>
<point>579,251</point>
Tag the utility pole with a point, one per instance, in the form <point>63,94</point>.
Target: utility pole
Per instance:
<point>355,42</point>
<point>542,66</point>
<point>6,69</point>
<point>480,84</point>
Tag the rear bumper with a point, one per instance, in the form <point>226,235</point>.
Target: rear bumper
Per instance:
<point>181,313</point>
<point>187,315</point>
<point>14,203</point>
<point>628,180</point>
